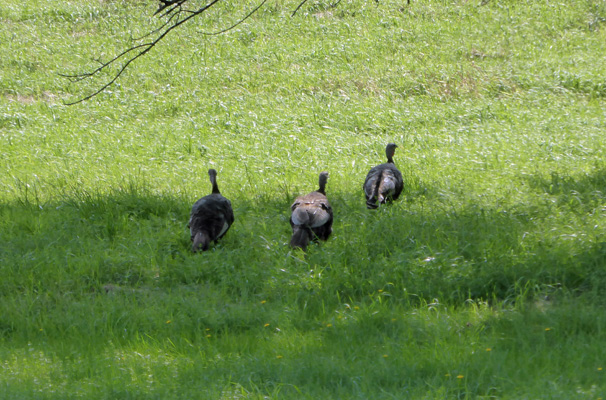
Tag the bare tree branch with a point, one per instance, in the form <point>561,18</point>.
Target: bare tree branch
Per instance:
<point>167,3</point>
<point>146,47</point>
<point>175,15</point>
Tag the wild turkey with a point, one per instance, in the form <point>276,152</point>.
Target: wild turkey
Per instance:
<point>311,216</point>
<point>210,218</point>
<point>383,182</point>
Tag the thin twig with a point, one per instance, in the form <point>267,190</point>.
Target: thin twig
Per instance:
<point>79,77</point>
<point>165,24</point>
<point>237,23</point>
<point>299,6</point>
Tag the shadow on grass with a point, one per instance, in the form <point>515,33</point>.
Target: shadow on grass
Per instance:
<point>348,300</point>
<point>135,237</point>
<point>579,193</point>
<point>416,248</point>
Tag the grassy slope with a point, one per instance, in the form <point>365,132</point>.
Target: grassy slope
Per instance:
<point>500,117</point>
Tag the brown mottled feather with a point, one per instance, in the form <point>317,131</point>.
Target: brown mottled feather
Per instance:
<point>311,216</point>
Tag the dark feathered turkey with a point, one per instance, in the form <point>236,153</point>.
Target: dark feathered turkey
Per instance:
<point>211,217</point>
<point>383,182</point>
<point>311,216</point>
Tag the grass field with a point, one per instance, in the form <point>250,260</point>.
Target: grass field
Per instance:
<point>485,280</point>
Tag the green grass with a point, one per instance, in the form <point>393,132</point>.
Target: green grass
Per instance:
<point>485,280</point>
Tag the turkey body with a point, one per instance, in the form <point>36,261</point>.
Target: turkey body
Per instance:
<point>383,182</point>
<point>210,218</point>
<point>311,216</point>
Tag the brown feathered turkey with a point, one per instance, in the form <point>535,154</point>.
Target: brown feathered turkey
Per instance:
<point>383,182</point>
<point>211,216</point>
<point>311,216</point>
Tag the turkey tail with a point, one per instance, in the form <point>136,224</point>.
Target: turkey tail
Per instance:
<point>387,187</point>
<point>373,201</point>
<point>299,215</point>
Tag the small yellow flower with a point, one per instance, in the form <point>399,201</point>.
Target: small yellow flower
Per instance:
<point>356,308</point>
<point>266,325</point>
<point>263,301</point>
<point>447,375</point>
<point>547,329</point>
<point>600,368</point>
<point>208,336</point>
<point>278,357</point>
<point>385,356</point>
<point>328,325</point>
<point>207,329</point>
<point>393,320</point>
<point>380,290</point>
<point>488,349</point>
<point>169,321</point>
<point>460,376</point>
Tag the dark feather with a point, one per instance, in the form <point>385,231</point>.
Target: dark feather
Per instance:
<point>384,182</point>
<point>211,217</point>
